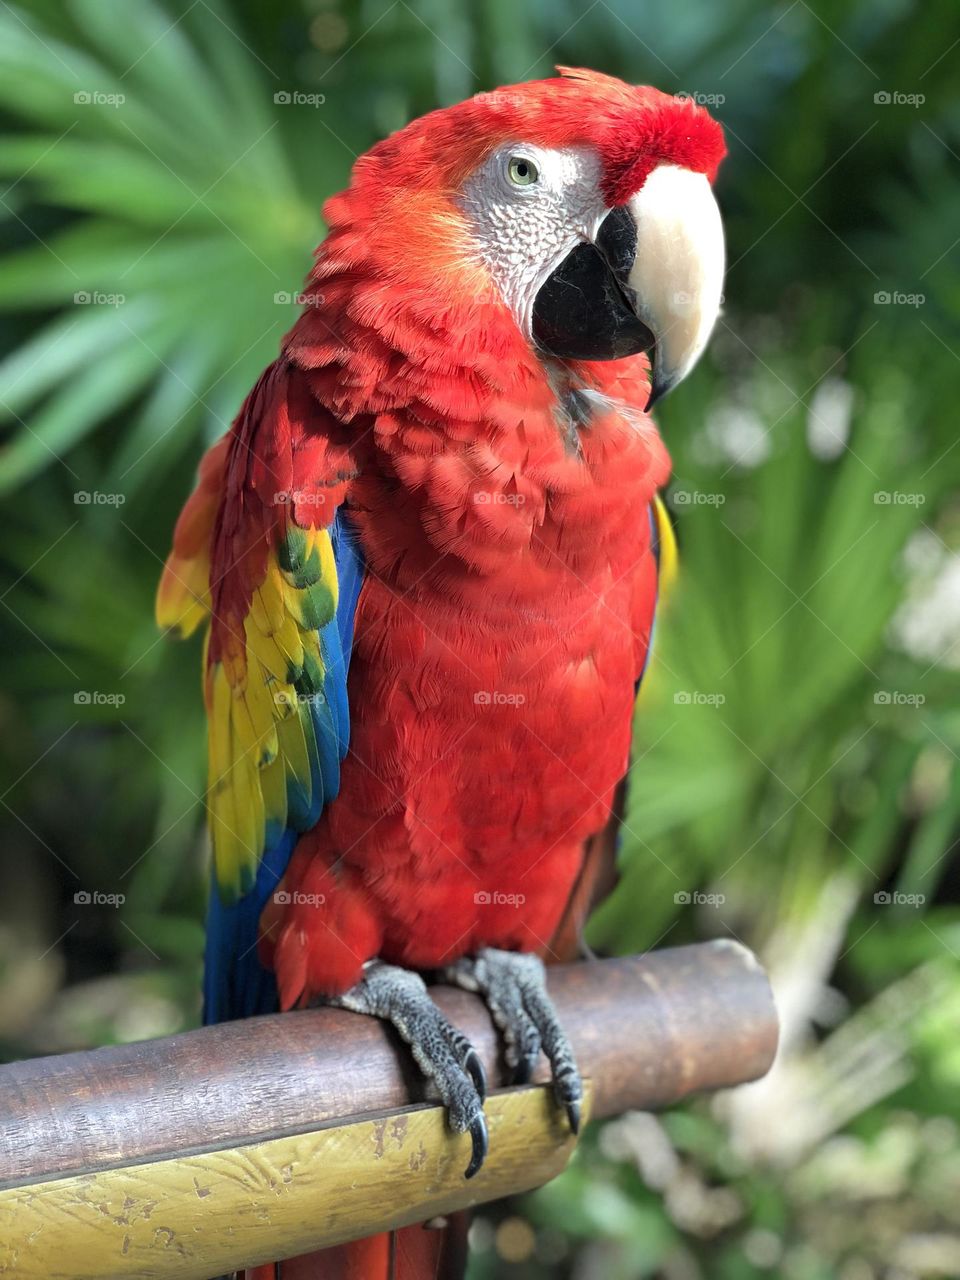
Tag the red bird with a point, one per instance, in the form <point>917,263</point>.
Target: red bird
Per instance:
<point>427,553</point>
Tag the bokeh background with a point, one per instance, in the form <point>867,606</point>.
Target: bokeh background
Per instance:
<point>795,782</point>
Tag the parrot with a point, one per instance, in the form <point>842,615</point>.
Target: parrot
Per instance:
<point>426,557</point>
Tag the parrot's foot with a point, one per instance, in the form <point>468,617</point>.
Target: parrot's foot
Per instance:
<point>443,1053</point>
<point>514,989</point>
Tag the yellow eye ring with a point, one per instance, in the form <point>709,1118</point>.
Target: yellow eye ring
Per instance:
<point>522,172</point>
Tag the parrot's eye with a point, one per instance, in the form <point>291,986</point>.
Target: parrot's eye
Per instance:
<point>522,172</point>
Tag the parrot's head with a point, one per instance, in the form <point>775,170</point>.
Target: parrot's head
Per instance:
<point>583,205</point>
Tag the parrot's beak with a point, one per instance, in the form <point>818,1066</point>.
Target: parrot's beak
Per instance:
<point>650,281</point>
<point>677,274</point>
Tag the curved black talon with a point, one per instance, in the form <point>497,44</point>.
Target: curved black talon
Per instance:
<point>481,1145</point>
<point>474,1069</point>
<point>523,1070</point>
<point>573,1115</point>
<point>514,988</point>
<point>527,1063</point>
<point>442,1053</point>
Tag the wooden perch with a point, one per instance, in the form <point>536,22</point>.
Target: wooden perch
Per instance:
<point>238,1144</point>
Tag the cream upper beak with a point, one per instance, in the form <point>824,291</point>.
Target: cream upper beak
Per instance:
<point>677,275</point>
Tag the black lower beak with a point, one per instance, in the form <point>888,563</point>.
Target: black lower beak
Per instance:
<point>583,310</point>
<point>661,383</point>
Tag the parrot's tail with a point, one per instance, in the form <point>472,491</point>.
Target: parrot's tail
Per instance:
<point>597,879</point>
<point>435,1251</point>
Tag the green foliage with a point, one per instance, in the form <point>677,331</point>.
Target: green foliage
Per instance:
<point>797,738</point>
<point>776,672</point>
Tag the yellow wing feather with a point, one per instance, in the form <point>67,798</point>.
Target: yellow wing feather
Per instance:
<point>263,740</point>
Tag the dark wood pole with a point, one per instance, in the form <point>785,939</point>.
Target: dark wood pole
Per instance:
<point>240,1143</point>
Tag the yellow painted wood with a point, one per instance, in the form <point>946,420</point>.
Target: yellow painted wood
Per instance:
<point>197,1216</point>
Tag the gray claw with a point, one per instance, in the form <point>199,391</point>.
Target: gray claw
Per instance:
<point>573,1115</point>
<point>523,1070</point>
<point>474,1068</point>
<point>443,1053</point>
<point>481,1145</point>
<point>515,990</point>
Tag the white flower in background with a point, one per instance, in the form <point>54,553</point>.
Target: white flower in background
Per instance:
<point>927,624</point>
<point>737,436</point>
<point>829,417</point>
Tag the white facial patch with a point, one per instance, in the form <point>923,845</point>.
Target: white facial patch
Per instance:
<point>528,207</point>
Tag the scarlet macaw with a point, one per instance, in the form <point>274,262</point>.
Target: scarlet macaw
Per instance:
<point>427,556</point>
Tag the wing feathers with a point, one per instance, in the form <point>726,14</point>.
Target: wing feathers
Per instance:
<point>254,550</point>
